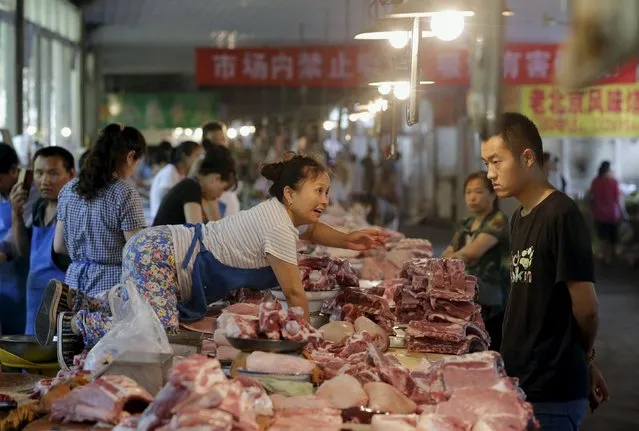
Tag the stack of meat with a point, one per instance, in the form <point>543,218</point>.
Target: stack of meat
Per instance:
<point>199,396</point>
<point>108,399</point>
<point>326,273</point>
<point>387,264</point>
<point>268,320</point>
<point>477,395</point>
<point>437,302</point>
<point>459,392</point>
<point>304,413</point>
<point>352,303</point>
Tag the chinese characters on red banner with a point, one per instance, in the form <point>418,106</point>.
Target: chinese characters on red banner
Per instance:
<point>355,65</point>
<point>345,66</point>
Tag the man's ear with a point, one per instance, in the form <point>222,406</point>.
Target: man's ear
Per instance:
<point>528,158</point>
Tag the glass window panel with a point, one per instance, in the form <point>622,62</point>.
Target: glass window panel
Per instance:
<point>8,5</point>
<point>45,90</point>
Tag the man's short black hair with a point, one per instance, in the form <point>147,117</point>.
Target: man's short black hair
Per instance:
<point>520,133</point>
<point>212,126</point>
<point>8,158</point>
<point>67,158</point>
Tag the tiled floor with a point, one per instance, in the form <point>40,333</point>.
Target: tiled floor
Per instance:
<point>617,343</point>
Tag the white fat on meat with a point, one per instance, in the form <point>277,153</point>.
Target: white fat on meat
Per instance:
<point>364,324</point>
<point>435,422</point>
<point>336,332</point>
<point>281,402</point>
<point>343,392</point>
<point>385,398</point>
<point>275,363</point>
<point>394,422</point>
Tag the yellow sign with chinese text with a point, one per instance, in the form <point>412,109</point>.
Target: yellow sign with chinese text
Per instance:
<point>607,111</point>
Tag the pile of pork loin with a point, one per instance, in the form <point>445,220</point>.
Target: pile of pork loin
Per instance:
<point>458,393</point>
<point>437,302</point>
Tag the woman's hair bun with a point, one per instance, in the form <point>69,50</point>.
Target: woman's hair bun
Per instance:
<point>272,171</point>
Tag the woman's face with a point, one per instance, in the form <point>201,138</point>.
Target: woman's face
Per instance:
<point>213,186</point>
<point>479,200</point>
<point>309,202</point>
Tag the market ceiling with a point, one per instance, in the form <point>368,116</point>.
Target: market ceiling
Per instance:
<point>275,22</point>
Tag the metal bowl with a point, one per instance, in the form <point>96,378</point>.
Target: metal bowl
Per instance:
<point>249,345</point>
<point>27,348</point>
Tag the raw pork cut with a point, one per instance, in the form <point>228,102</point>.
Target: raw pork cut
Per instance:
<point>363,323</point>
<point>336,332</point>
<point>248,309</point>
<point>304,412</point>
<point>472,405</point>
<point>281,402</point>
<point>199,396</point>
<point>385,398</point>
<point>109,399</point>
<point>435,422</point>
<point>394,422</point>
<point>296,328</point>
<point>238,325</point>
<point>271,316</point>
<point>276,363</point>
<point>326,273</point>
<point>373,306</point>
<point>343,392</point>
<point>446,338</point>
<point>257,395</point>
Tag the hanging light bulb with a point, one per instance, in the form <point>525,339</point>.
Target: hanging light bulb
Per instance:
<point>401,91</point>
<point>447,25</point>
<point>385,89</point>
<point>398,39</point>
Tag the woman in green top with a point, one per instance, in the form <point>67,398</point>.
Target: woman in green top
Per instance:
<point>482,242</point>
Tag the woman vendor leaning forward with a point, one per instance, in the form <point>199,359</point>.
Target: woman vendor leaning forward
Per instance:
<point>182,268</point>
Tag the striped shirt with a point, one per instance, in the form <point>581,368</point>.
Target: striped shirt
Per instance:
<point>241,240</point>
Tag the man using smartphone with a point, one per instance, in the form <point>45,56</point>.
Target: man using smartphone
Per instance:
<point>53,167</point>
<point>13,269</point>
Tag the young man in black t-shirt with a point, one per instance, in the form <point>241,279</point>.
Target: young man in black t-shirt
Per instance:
<point>551,318</point>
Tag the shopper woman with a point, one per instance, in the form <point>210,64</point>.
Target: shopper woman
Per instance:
<point>181,269</point>
<point>182,159</point>
<point>607,210</point>
<point>98,212</point>
<point>482,242</point>
<point>213,175</point>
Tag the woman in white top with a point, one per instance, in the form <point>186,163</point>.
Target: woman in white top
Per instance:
<point>181,269</point>
<point>182,158</point>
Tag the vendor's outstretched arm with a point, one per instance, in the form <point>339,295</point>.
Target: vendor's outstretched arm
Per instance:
<point>323,234</point>
<point>288,275</point>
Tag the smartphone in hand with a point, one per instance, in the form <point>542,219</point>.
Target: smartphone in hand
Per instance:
<point>26,178</point>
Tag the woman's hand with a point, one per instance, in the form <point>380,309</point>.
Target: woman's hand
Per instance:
<point>365,239</point>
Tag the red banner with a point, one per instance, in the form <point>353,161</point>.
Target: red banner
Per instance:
<point>314,66</point>
<point>524,64</point>
<point>355,65</point>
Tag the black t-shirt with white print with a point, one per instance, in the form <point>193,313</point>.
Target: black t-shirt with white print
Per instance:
<point>541,340</point>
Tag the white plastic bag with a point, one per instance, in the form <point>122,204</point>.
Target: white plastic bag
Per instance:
<point>136,328</point>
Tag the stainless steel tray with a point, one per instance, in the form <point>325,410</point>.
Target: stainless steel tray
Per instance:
<point>249,345</point>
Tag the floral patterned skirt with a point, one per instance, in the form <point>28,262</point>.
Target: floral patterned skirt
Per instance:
<point>149,262</point>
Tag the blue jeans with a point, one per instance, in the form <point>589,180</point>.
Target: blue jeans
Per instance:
<point>560,416</point>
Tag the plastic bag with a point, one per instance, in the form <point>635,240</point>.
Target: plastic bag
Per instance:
<point>136,328</point>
